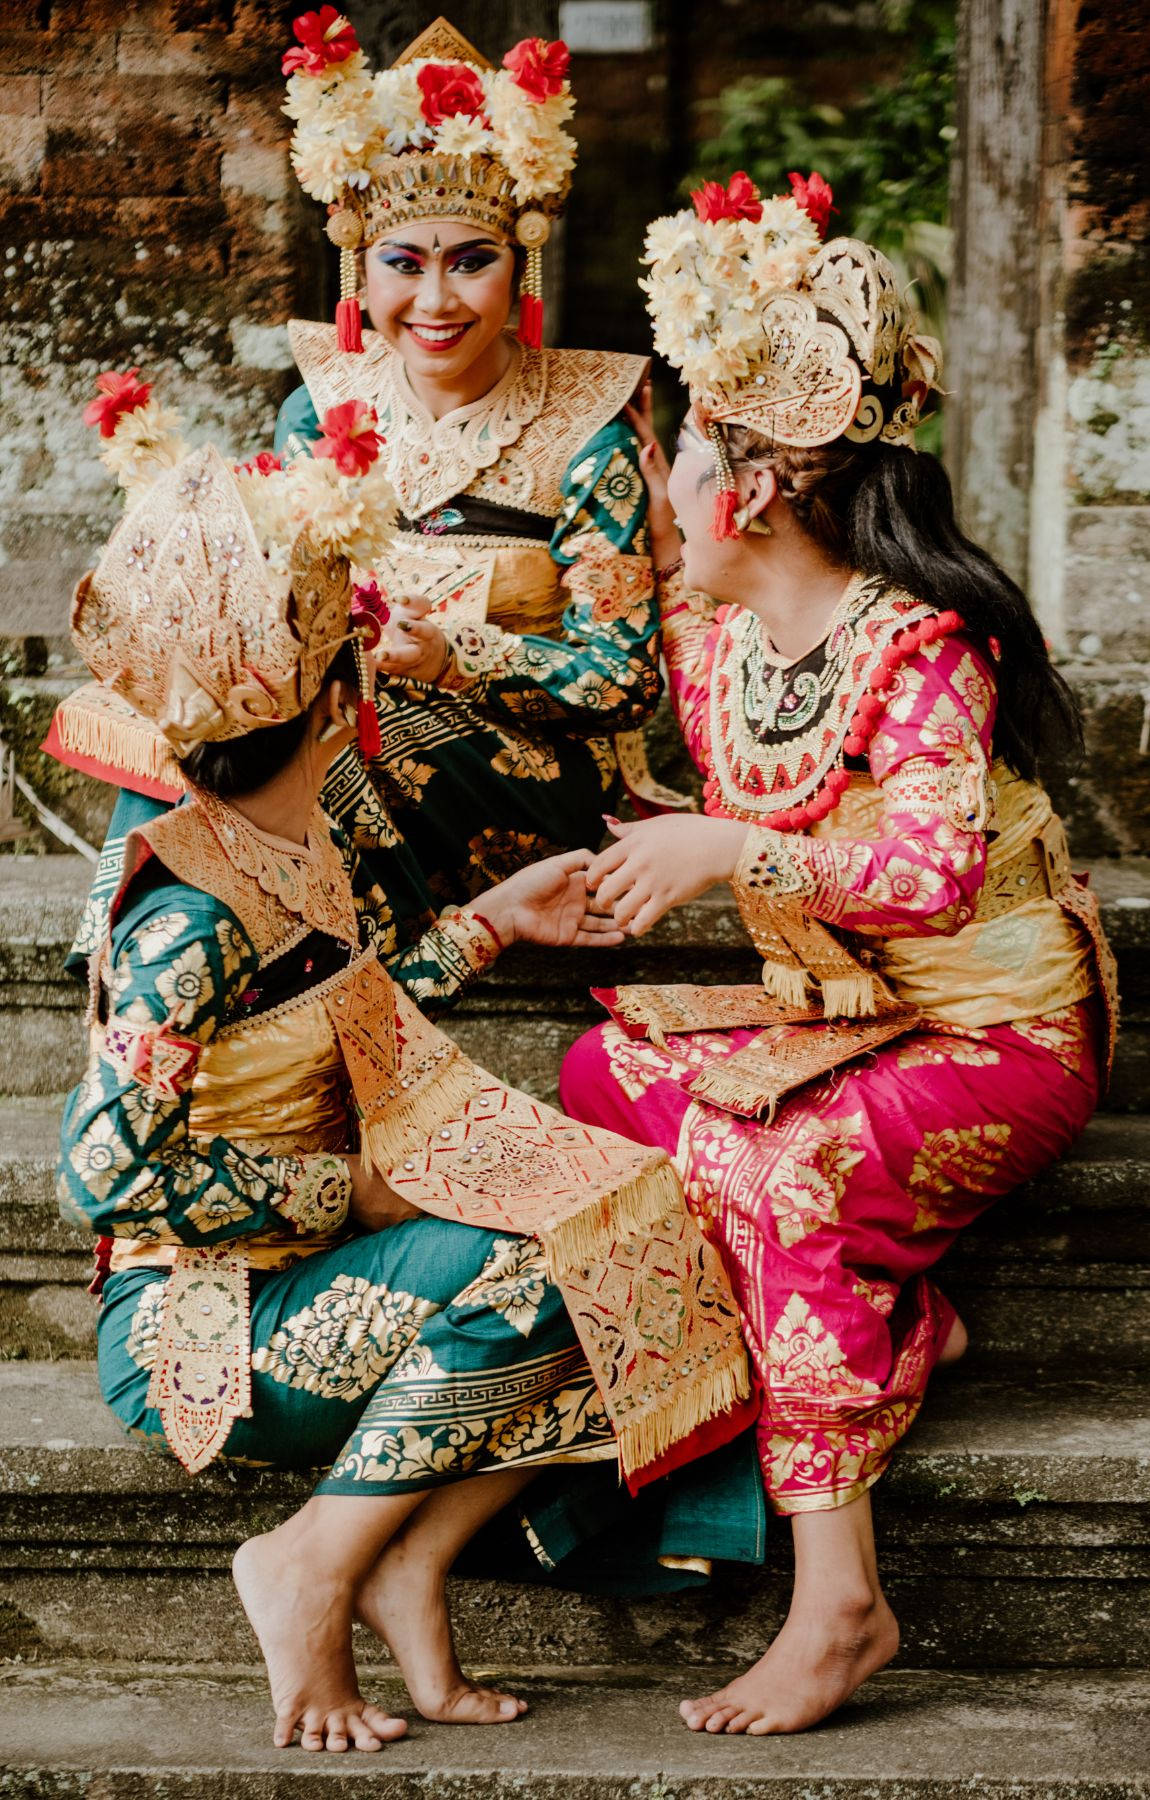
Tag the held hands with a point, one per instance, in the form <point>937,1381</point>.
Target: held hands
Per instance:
<point>411,645</point>
<point>548,903</point>
<point>374,1205</point>
<point>657,864</point>
<point>666,544</point>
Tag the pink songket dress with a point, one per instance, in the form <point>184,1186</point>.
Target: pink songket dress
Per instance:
<point>946,997</point>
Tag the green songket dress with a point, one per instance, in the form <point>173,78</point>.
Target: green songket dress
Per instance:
<point>523,521</point>
<point>211,1116</point>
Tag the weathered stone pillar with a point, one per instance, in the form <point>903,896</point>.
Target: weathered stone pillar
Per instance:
<point>994,293</point>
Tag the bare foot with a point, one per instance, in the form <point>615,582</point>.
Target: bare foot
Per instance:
<point>303,1624</point>
<point>957,1339</point>
<point>404,1601</point>
<point>809,1670</point>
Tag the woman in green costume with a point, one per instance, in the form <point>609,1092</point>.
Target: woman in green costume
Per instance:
<point>522,655</point>
<point>326,1237</point>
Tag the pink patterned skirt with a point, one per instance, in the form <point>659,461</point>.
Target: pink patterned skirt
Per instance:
<point>830,1217</point>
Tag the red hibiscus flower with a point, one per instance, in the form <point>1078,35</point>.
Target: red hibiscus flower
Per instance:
<point>538,67</point>
<point>738,200</point>
<point>815,197</point>
<point>325,37</point>
<point>349,437</point>
<point>263,464</point>
<point>447,89</point>
<point>369,611</point>
<point>117,395</point>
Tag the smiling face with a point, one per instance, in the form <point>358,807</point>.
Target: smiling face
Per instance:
<point>439,291</point>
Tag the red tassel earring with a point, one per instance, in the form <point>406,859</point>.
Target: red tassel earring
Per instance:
<point>726,493</point>
<point>366,717</point>
<point>348,324</point>
<point>532,231</point>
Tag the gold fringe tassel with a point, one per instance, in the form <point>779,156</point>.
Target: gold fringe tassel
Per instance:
<point>647,1439</point>
<point>734,1093</point>
<point>786,982</point>
<point>409,1123</point>
<point>850,997</point>
<point>631,1209</point>
<point>122,742</point>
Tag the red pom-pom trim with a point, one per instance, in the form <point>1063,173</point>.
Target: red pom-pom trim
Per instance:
<point>530,331</point>
<point>367,729</point>
<point>723,517</point>
<point>349,327</point>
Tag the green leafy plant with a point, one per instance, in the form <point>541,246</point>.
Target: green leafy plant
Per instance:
<point>887,155</point>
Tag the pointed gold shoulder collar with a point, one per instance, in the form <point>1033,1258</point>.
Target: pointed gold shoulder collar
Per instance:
<point>511,446</point>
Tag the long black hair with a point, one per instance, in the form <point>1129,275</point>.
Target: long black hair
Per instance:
<point>888,511</point>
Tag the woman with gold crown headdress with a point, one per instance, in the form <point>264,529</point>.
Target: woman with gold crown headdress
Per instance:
<point>519,630</point>
<point>326,1237</point>
<point>522,647</point>
<point>867,696</point>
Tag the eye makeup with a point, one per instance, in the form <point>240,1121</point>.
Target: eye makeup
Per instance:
<point>469,258</point>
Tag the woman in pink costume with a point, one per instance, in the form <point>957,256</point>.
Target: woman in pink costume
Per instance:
<point>867,695</point>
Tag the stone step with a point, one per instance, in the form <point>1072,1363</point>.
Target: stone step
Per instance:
<point>1061,1262</point>
<point>520,1021</point>
<point>1014,1528</point>
<point>121,1734</point>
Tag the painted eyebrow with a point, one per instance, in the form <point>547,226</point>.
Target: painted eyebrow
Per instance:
<point>451,250</point>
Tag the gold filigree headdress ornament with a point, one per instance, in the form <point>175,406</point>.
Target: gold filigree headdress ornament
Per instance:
<point>224,593</point>
<point>802,341</point>
<point>441,134</point>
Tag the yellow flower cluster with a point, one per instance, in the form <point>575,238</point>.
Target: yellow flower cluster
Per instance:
<point>348,123</point>
<point>709,282</point>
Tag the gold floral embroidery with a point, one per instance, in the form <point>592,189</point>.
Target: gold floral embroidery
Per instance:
<point>810,1178</point>
<point>233,947</point>
<point>144,1335</point>
<point>807,1468</point>
<point>902,884</point>
<point>935,1051</point>
<point>1064,1033</point>
<point>217,1206</point>
<point>879,1294</point>
<point>958,1159</point>
<point>804,1356</point>
<point>344,1343</point>
<point>186,985</point>
<point>620,488</point>
<point>409,777</point>
<point>972,688</point>
<point>525,760</point>
<point>159,934</point>
<point>511,1283</point>
<point>99,1156</point>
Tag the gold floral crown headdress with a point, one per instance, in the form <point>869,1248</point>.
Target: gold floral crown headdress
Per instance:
<point>804,342</point>
<point>223,594</point>
<point>441,134</point>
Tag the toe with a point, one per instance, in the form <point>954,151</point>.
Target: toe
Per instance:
<point>382,1725</point>
<point>312,1730</point>
<point>740,1721</point>
<point>335,1731</point>
<point>362,1736</point>
<point>717,1719</point>
<point>284,1732</point>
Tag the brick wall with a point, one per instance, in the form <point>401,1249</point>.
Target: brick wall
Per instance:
<point>147,216</point>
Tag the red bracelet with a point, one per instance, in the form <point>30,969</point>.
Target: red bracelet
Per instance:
<point>487,926</point>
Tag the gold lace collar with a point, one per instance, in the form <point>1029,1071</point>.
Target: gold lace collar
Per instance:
<point>429,461</point>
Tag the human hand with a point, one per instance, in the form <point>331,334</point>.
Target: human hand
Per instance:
<point>666,544</point>
<point>412,646</point>
<point>548,903</point>
<point>374,1204</point>
<point>657,864</point>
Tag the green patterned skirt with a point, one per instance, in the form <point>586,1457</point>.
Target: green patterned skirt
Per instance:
<point>398,1361</point>
<point>432,1351</point>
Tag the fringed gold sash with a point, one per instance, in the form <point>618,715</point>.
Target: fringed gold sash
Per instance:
<point>800,954</point>
<point>752,1081</point>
